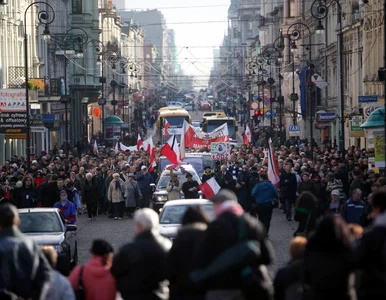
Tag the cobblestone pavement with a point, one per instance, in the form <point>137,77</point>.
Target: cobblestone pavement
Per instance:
<point>119,232</point>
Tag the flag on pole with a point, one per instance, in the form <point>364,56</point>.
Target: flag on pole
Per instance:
<point>116,150</point>
<point>95,147</point>
<point>171,151</point>
<point>139,142</point>
<point>150,149</point>
<point>273,169</point>
<point>209,188</point>
<point>247,136</point>
<point>166,128</point>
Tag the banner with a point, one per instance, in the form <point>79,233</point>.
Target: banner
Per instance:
<point>13,111</point>
<point>379,148</point>
<point>194,138</point>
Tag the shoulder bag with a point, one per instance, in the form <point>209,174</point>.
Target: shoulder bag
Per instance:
<point>79,293</point>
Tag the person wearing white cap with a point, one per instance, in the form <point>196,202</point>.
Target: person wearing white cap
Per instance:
<point>115,195</point>
<point>335,205</point>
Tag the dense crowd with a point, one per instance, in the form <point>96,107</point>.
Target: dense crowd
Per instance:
<point>338,203</point>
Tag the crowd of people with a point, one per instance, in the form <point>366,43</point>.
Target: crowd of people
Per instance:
<point>339,204</point>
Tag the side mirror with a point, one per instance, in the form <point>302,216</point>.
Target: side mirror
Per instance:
<point>152,186</point>
<point>71,227</point>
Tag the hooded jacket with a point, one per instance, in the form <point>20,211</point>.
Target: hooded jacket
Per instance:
<point>98,282</point>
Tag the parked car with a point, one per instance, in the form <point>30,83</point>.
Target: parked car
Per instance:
<point>206,106</point>
<point>188,107</point>
<point>160,195</point>
<point>175,104</point>
<point>48,227</point>
<point>173,211</point>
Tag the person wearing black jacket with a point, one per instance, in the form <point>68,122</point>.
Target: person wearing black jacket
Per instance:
<point>207,174</point>
<point>91,195</point>
<point>27,196</point>
<point>288,188</point>
<point>140,267</point>
<point>190,187</point>
<point>371,253</point>
<point>243,271</point>
<point>24,270</point>
<point>225,179</point>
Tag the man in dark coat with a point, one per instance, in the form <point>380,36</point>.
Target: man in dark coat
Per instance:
<point>144,179</point>
<point>371,253</point>
<point>221,266</point>
<point>208,174</point>
<point>288,187</point>
<point>190,187</point>
<point>24,271</point>
<point>140,267</point>
<point>49,193</point>
<point>225,179</point>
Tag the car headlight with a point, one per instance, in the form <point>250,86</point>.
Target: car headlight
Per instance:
<point>162,197</point>
<point>58,248</point>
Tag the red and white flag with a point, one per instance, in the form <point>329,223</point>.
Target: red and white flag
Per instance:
<point>139,142</point>
<point>150,149</point>
<point>166,128</point>
<point>171,151</point>
<point>209,188</point>
<point>124,148</point>
<point>116,150</point>
<point>247,136</point>
<point>273,169</point>
<point>96,147</point>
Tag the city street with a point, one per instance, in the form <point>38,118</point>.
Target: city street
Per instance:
<point>122,231</point>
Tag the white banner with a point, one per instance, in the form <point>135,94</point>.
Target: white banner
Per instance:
<point>13,100</point>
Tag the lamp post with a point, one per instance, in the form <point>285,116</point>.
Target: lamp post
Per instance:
<point>45,19</point>
<point>102,102</point>
<point>319,10</point>
<point>80,40</point>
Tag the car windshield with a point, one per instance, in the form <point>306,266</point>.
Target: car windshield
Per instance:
<point>176,121</point>
<point>174,214</point>
<point>212,125</point>
<point>165,178</point>
<point>196,162</point>
<point>40,222</point>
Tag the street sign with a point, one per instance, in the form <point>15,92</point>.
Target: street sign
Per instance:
<point>269,113</point>
<point>367,110</point>
<point>327,117</point>
<point>254,105</point>
<point>319,81</point>
<point>36,122</point>
<point>322,125</point>
<point>294,130</point>
<point>367,99</point>
<point>220,151</point>
<point>38,129</point>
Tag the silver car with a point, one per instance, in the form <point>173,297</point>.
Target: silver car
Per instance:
<point>173,211</point>
<point>160,195</point>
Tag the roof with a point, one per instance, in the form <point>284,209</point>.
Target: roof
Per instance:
<point>221,118</point>
<point>113,120</point>
<point>187,202</point>
<point>173,111</point>
<point>376,119</point>
<point>37,209</point>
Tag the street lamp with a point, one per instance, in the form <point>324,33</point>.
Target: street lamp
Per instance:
<point>114,102</point>
<point>80,40</point>
<point>46,18</point>
<point>102,102</point>
<point>319,10</point>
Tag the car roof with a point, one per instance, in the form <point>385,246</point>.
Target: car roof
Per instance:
<point>186,167</point>
<point>37,209</point>
<point>192,154</point>
<point>187,202</point>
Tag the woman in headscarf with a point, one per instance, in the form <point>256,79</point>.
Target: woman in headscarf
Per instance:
<point>116,196</point>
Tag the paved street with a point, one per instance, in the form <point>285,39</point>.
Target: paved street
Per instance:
<point>122,231</point>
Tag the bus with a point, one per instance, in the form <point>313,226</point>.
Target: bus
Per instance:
<point>211,123</point>
<point>175,117</point>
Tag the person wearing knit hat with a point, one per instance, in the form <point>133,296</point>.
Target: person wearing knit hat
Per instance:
<point>66,207</point>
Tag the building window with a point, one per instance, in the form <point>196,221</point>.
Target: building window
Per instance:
<point>77,6</point>
<point>291,8</point>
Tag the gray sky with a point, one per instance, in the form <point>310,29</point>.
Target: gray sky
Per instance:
<point>207,30</point>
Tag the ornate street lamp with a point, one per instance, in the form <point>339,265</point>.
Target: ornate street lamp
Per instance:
<point>44,17</point>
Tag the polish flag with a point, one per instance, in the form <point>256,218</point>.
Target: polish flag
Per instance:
<point>209,188</point>
<point>95,147</point>
<point>247,136</point>
<point>171,151</point>
<point>166,129</point>
<point>116,150</point>
<point>139,142</point>
<point>273,169</point>
<point>150,149</point>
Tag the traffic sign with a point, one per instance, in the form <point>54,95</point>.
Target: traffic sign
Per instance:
<point>269,113</point>
<point>254,105</point>
<point>294,130</point>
